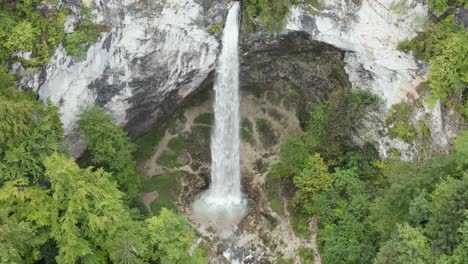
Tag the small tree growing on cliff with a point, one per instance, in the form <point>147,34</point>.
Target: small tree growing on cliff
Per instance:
<point>313,179</point>
<point>110,148</point>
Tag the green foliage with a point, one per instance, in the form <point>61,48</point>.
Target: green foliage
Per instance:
<point>439,6</point>
<point>312,180</point>
<point>399,123</point>
<point>170,237</point>
<point>449,201</point>
<point>22,37</point>
<point>29,132</point>
<point>273,189</point>
<point>25,28</point>
<point>247,131</point>
<point>271,14</point>
<point>168,188</point>
<point>443,44</point>
<point>399,6</point>
<point>407,246</point>
<point>310,6</point>
<point>300,222</point>
<point>460,254</point>
<point>293,155</point>
<point>448,76</point>
<point>345,233</point>
<point>91,220</point>
<point>110,148</point>
<point>169,157</point>
<point>405,184</point>
<point>306,255</point>
<point>204,119</point>
<point>25,214</point>
<point>86,33</point>
<point>6,80</point>
<point>78,42</point>
<point>215,28</point>
<point>461,150</point>
<point>146,144</point>
<point>332,123</point>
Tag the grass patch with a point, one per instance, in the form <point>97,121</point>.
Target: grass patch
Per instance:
<point>197,99</point>
<point>168,188</point>
<point>147,143</point>
<point>168,159</point>
<point>306,255</point>
<point>274,197</point>
<point>176,144</point>
<point>205,119</point>
<point>299,222</point>
<point>282,260</point>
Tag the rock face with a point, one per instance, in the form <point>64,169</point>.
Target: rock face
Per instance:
<point>158,53</point>
<point>311,66</point>
<point>155,54</point>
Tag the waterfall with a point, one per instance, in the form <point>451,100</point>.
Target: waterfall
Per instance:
<point>225,163</point>
<point>223,202</point>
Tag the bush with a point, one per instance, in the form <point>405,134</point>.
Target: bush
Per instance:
<point>272,14</point>
<point>110,148</point>
<point>215,28</point>
<point>443,44</point>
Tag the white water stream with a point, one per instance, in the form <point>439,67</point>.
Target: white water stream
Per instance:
<point>223,204</point>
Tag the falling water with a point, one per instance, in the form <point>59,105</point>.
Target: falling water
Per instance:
<point>223,202</point>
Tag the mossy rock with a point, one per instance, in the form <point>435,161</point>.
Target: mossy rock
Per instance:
<point>266,133</point>
<point>204,119</point>
<point>399,123</point>
<point>256,89</point>
<point>247,131</point>
<point>275,114</point>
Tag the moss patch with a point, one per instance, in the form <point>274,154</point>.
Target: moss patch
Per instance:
<point>176,144</point>
<point>306,255</point>
<point>299,222</point>
<point>205,119</point>
<point>256,89</point>
<point>168,159</point>
<point>247,131</point>
<point>274,196</point>
<point>147,143</point>
<point>399,124</point>
<point>168,188</point>
<point>215,28</point>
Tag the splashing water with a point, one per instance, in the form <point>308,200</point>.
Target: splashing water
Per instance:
<point>223,204</point>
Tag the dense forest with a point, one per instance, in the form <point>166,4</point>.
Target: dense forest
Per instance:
<point>55,209</point>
